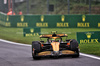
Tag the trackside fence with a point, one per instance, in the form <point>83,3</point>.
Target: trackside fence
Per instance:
<point>50,21</point>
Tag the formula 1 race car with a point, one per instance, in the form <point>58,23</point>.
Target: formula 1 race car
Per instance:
<point>54,46</point>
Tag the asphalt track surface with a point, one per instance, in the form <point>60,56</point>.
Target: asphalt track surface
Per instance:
<point>20,55</point>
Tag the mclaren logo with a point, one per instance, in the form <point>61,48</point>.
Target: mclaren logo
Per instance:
<point>22,18</point>
<point>31,30</point>
<point>83,18</point>
<point>42,18</point>
<point>62,18</point>
<point>88,35</point>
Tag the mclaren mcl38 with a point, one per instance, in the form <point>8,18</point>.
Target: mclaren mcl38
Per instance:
<point>54,46</point>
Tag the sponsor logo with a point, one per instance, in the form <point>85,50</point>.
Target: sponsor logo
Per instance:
<point>22,23</point>
<point>89,38</point>
<point>32,34</point>
<point>83,24</point>
<point>43,24</point>
<point>7,18</point>
<point>88,35</point>
<point>22,18</point>
<point>83,18</point>
<point>31,30</point>
<point>8,24</point>
<point>62,18</point>
<point>89,41</point>
<point>64,24</point>
<point>98,24</point>
<point>42,18</point>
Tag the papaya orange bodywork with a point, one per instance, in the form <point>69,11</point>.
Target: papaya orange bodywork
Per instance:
<point>55,46</point>
<point>68,43</point>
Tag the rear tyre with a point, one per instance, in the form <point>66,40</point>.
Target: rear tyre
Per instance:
<point>74,47</point>
<point>76,55</point>
<point>36,48</point>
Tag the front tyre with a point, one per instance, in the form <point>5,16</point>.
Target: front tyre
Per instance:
<point>36,48</point>
<point>74,47</point>
<point>77,54</point>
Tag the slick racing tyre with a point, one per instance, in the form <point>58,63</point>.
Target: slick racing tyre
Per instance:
<point>36,48</point>
<point>77,54</point>
<point>74,47</point>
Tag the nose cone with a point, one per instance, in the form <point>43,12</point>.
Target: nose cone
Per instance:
<point>55,46</point>
<point>56,52</point>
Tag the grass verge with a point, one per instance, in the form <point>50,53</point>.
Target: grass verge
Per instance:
<point>16,35</point>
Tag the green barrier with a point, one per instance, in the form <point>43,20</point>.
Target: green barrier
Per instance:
<point>53,21</point>
<point>31,32</point>
<point>4,20</point>
<point>88,37</point>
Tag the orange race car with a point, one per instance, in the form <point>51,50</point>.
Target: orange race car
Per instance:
<point>54,46</point>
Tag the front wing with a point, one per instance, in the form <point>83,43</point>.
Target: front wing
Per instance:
<point>61,53</point>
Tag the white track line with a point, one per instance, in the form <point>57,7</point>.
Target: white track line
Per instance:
<point>90,56</point>
<point>14,42</point>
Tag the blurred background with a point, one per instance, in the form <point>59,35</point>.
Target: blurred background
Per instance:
<point>51,6</point>
<point>34,11</point>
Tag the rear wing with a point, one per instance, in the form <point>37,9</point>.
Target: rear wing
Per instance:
<point>53,35</point>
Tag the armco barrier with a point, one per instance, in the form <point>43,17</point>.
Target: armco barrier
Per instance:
<point>51,21</point>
